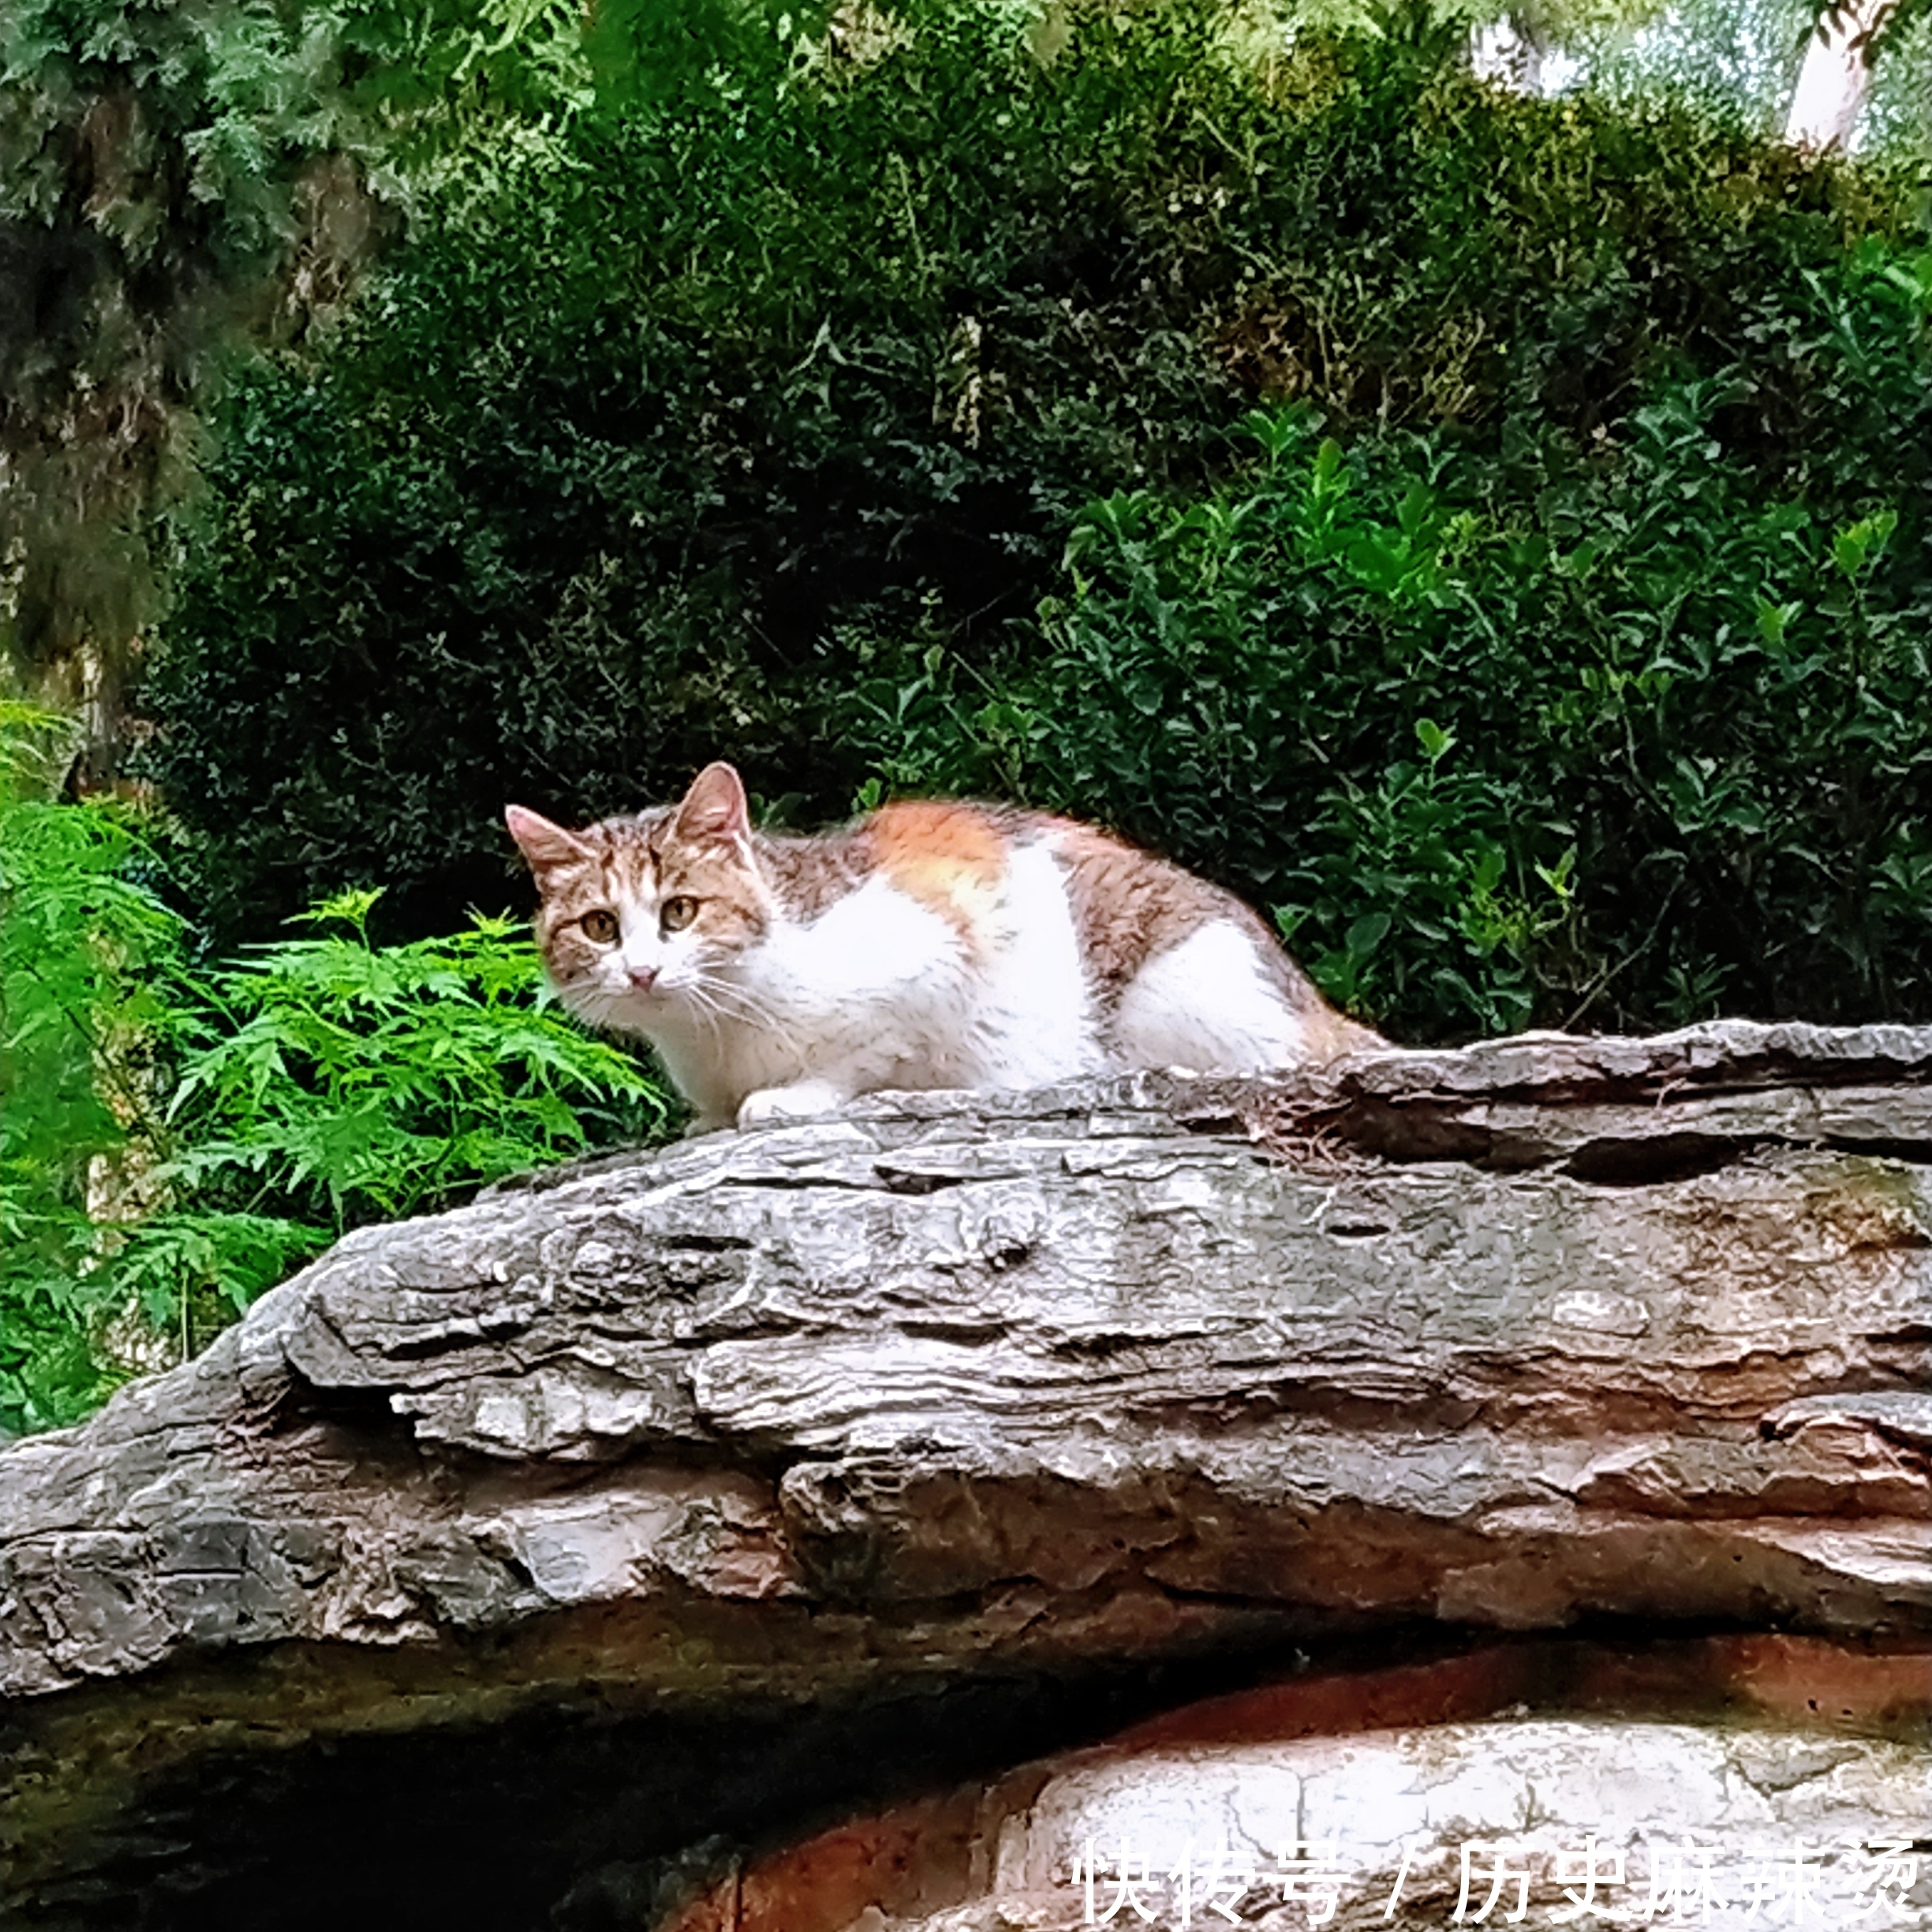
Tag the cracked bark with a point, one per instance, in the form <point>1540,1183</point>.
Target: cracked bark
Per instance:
<point>1072,1405</point>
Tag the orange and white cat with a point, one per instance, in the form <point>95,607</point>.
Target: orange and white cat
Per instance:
<point>929,945</point>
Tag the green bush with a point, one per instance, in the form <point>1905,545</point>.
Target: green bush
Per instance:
<point>650,434</point>
<point>1639,745</point>
<point>77,937</point>
<point>174,1137</point>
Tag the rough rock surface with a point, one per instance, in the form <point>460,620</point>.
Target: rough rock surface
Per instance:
<point>951,1392</point>
<point>1634,1821</point>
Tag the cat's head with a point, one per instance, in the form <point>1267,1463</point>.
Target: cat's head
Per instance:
<point>640,917</point>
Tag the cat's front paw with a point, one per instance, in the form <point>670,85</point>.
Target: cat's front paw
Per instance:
<point>804,1101</point>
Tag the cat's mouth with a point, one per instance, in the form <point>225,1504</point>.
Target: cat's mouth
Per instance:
<point>643,998</point>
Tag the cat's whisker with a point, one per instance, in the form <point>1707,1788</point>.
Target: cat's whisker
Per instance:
<point>738,1000</point>
<point>730,994</point>
<point>703,999</point>
<point>742,1007</point>
<point>707,1012</point>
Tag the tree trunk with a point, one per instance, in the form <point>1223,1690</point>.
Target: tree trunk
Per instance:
<point>1836,74</point>
<point>1510,52</point>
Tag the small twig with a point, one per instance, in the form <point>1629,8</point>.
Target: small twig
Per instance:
<point>1611,971</point>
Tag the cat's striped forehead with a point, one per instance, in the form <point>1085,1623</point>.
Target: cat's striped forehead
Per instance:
<point>622,861</point>
<point>632,865</point>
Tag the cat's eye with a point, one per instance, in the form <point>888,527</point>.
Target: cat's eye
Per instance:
<point>677,913</point>
<point>599,925</point>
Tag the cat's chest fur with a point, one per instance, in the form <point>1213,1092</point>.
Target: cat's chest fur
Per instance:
<point>882,989</point>
<point>933,945</point>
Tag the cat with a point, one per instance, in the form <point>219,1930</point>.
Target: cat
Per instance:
<point>929,945</point>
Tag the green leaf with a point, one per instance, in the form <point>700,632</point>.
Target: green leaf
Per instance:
<point>1435,742</point>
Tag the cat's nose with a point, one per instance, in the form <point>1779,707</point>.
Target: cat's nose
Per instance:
<point>643,978</point>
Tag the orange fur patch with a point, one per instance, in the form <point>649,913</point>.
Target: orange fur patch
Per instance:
<point>947,857</point>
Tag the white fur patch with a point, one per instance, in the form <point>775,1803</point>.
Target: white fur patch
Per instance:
<point>874,993</point>
<point>1034,1021</point>
<point>1208,1005</point>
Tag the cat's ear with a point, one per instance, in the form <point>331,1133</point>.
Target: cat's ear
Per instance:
<point>714,811</point>
<point>547,847</point>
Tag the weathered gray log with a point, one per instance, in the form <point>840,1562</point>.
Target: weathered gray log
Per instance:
<point>1543,1330</point>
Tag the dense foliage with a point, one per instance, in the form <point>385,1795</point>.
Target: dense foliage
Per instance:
<point>175,1135</point>
<point>176,181</point>
<point>797,386</point>
<point>1631,747</point>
